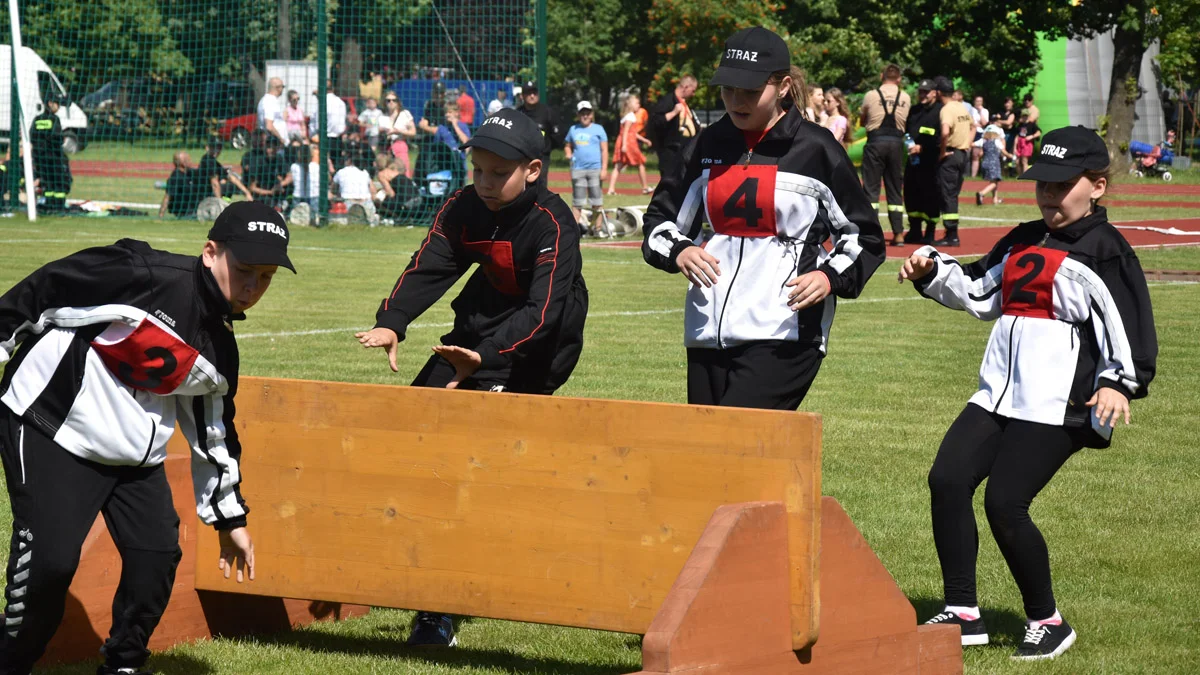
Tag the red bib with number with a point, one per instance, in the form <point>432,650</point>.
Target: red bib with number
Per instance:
<point>1028,286</point>
<point>149,358</point>
<point>741,200</point>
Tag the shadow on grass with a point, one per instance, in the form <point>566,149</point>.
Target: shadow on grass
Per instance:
<point>1005,624</point>
<point>459,656</point>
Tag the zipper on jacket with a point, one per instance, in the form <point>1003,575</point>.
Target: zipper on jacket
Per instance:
<point>150,445</point>
<point>729,291</point>
<point>21,450</point>
<point>1008,375</point>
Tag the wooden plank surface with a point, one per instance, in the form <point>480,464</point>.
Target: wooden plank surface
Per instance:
<point>546,509</point>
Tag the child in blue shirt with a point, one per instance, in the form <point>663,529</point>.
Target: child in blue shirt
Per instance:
<point>587,149</point>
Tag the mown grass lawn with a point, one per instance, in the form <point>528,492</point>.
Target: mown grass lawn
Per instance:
<point>1121,523</point>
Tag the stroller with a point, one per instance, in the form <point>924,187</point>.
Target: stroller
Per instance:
<point>1151,160</point>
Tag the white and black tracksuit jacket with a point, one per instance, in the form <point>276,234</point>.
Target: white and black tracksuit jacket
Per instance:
<point>118,344</point>
<point>1073,315</point>
<point>772,208</point>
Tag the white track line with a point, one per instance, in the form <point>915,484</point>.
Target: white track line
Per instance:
<point>592,315</point>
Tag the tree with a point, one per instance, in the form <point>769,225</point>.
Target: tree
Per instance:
<point>1134,25</point>
<point>589,50</point>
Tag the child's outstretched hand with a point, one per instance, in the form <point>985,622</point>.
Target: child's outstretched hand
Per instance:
<point>1110,406</point>
<point>381,337</point>
<point>465,362</point>
<point>916,267</point>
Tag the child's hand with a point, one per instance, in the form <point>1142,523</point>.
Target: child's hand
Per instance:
<point>700,267</point>
<point>807,290</point>
<point>465,362</point>
<point>1110,406</point>
<point>381,337</point>
<point>916,267</point>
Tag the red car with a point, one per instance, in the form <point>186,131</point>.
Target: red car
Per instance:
<point>236,130</point>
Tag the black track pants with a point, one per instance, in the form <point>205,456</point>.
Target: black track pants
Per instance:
<point>1018,458</point>
<point>950,175</point>
<point>885,160</point>
<point>772,375</point>
<point>55,498</point>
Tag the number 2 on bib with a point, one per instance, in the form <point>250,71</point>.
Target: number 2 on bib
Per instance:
<point>741,200</point>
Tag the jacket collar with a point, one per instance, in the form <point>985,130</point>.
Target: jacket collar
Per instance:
<point>1082,226</point>
<point>213,304</point>
<point>512,214</point>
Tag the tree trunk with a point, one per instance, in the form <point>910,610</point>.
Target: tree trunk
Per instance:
<point>1124,90</point>
<point>285,30</point>
<point>349,68</point>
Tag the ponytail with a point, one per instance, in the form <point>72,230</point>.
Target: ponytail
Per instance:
<point>797,94</point>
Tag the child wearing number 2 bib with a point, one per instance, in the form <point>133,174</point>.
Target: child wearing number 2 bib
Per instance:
<point>1073,343</point>
<point>776,188</point>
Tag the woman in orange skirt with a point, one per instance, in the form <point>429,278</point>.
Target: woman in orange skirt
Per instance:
<point>628,152</point>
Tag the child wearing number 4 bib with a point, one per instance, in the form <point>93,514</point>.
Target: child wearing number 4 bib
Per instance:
<point>775,188</point>
<point>1073,343</point>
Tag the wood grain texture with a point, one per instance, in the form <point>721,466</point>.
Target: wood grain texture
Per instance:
<point>546,509</point>
<point>723,615</point>
<point>191,614</point>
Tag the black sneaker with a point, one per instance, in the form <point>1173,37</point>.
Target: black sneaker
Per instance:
<point>973,631</point>
<point>432,630</point>
<point>978,199</point>
<point>912,237</point>
<point>948,241</point>
<point>1045,641</point>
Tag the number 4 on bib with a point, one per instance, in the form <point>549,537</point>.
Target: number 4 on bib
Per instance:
<point>741,200</point>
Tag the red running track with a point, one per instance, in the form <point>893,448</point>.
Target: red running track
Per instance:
<point>980,240</point>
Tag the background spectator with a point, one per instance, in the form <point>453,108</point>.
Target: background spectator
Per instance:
<point>547,122</point>
<point>627,150</point>
<point>306,177</point>
<point>1030,108</point>
<point>1007,120</point>
<point>815,112</point>
<point>294,118</point>
<point>214,178</point>
<point>397,128</point>
<point>183,193</point>
<point>335,121</point>
<point>587,149</point>
<point>353,184</point>
<point>992,147</point>
<point>270,110</point>
<point>837,119</point>
<point>368,119</point>
<point>270,175</point>
<point>372,87</point>
<point>979,115</point>
<point>466,109</point>
<point>1027,133</point>
<point>672,124</point>
<point>499,103</point>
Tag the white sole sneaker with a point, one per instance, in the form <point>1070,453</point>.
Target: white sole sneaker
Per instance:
<point>974,640</point>
<point>1066,644</point>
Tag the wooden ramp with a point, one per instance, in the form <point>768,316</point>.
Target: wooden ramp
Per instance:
<point>702,528</point>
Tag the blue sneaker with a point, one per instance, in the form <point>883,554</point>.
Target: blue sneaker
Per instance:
<point>432,630</point>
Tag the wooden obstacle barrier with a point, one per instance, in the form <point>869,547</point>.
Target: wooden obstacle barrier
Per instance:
<point>191,614</point>
<point>702,528</point>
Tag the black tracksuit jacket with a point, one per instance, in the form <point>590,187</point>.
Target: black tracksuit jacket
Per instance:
<point>524,308</point>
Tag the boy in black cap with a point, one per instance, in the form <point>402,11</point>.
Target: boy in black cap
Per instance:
<point>118,344</point>
<point>518,322</point>
<point>1073,343</point>
<point>547,123</point>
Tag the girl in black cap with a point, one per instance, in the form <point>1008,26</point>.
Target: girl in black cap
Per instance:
<point>775,187</point>
<point>1073,343</point>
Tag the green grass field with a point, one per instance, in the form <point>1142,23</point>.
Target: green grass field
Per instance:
<point>1121,523</point>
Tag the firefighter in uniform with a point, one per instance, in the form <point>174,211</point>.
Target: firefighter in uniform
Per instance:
<point>954,156</point>
<point>50,167</point>
<point>922,198</point>
<point>884,113</point>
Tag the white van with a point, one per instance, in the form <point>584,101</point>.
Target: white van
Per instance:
<point>38,82</point>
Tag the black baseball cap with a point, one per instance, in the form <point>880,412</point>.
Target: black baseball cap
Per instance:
<point>509,133</point>
<point>943,84</point>
<point>750,56</point>
<point>1066,153</point>
<point>927,85</point>
<point>256,234</point>
<point>529,88</point>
